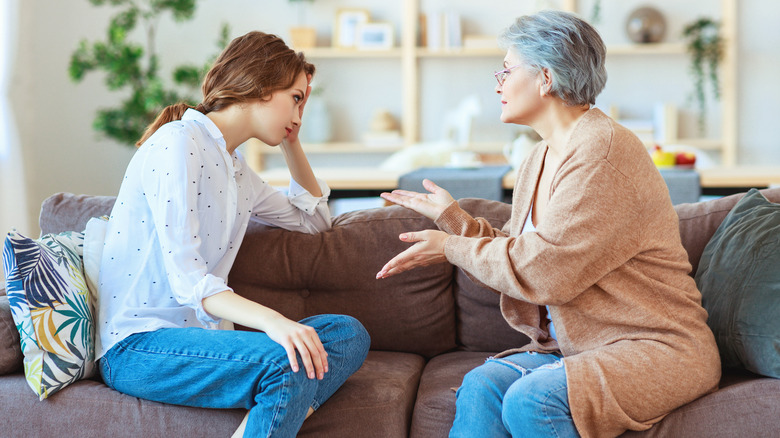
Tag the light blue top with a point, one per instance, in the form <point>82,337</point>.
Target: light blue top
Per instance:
<point>528,226</point>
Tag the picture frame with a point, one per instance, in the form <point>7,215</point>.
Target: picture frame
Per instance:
<point>374,36</point>
<point>345,29</point>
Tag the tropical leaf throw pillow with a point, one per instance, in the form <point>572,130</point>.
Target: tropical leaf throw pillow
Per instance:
<point>50,304</point>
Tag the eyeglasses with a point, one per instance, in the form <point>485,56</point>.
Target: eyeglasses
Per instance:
<point>502,74</point>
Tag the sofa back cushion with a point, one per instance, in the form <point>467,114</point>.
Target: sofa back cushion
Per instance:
<point>68,212</point>
<point>299,275</point>
<point>10,348</point>
<point>481,327</point>
<point>700,220</point>
<point>335,272</point>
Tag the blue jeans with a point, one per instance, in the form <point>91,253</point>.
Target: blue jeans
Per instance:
<point>235,369</point>
<point>522,395</point>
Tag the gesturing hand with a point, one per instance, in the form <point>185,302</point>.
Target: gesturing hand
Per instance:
<point>295,336</point>
<point>428,250</point>
<point>430,205</point>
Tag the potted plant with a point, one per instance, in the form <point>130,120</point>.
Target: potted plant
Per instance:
<point>705,46</point>
<point>302,36</point>
<point>129,66</point>
<point>595,13</point>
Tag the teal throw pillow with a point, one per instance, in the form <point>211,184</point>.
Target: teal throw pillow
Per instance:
<point>739,278</point>
<point>51,307</point>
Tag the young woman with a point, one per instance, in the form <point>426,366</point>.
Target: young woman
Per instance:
<point>590,266</point>
<point>179,219</point>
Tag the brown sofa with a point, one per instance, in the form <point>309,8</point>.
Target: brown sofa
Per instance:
<point>428,328</point>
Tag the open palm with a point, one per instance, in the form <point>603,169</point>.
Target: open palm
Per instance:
<point>430,205</point>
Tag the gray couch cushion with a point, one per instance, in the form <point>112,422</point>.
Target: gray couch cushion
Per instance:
<point>375,401</point>
<point>91,409</point>
<point>745,406</point>
<point>434,411</point>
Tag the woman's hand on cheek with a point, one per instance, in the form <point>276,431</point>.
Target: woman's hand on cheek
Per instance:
<point>428,250</point>
<point>306,96</point>
<point>292,136</point>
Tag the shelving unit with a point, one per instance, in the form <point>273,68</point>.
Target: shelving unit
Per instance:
<point>330,52</point>
<point>410,55</point>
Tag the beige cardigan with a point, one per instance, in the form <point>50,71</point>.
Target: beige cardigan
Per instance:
<point>607,258</point>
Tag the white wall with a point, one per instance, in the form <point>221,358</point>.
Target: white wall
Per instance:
<point>63,153</point>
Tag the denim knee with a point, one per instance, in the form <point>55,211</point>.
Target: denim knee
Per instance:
<point>348,331</point>
<point>477,382</point>
<point>360,336</point>
<point>537,403</point>
<point>522,402</point>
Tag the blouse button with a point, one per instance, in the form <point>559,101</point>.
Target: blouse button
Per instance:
<point>305,293</point>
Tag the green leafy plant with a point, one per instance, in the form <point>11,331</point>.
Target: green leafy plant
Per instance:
<point>705,46</point>
<point>595,13</point>
<point>129,65</point>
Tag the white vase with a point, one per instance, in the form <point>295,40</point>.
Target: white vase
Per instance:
<point>316,124</point>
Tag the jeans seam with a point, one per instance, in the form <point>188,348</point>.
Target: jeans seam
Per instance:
<point>107,367</point>
<point>545,406</point>
<point>315,404</point>
<point>198,356</point>
<point>283,401</point>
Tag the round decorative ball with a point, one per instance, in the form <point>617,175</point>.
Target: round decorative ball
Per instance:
<point>646,25</point>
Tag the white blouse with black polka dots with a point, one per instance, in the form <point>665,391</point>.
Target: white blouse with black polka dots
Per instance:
<point>179,219</point>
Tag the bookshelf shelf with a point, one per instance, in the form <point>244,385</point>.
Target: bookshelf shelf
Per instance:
<point>622,49</point>
<point>335,53</point>
<point>422,52</point>
<point>413,59</point>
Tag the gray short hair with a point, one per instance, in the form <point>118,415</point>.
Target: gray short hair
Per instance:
<point>568,47</point>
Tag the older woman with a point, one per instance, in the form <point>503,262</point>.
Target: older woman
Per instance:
<point>590,266</point>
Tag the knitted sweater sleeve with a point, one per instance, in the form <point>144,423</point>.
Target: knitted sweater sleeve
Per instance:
<point>454,220</point>
<point>588,230</point>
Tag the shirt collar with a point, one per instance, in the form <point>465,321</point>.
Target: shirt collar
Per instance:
<point>193,114</point>
<point>214,132</point>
